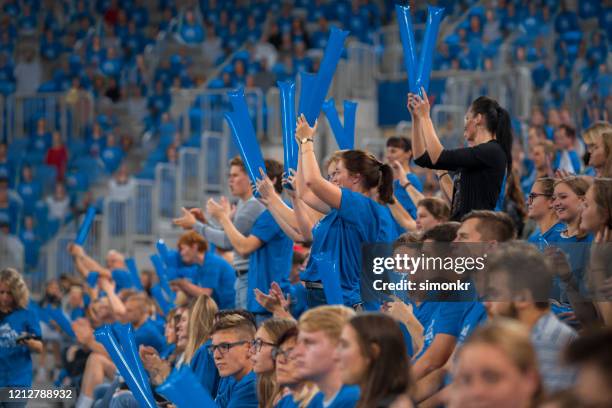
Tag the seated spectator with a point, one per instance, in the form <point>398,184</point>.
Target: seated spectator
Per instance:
<point>520,281</point>
<point>9,208</point>
<point>96,140</point>
<point>501,349</point>
<point>301,63</point>
<point>6,166</point>
<point>231,339</point>
<point>111,64</point>
<point>191,31</point>
<point>29,190</point>
<point>40,140</point>
<point>262,349</point>
<point>541,211</point>
<point>57,155</point>
<point>592,355</point>
<point>317,355</point>
<point>566,157</point>
<point>596,217</point>
<point>598,139</point>
<point>111,154</point>
<point>214,277</point>
<point>58,203</point>
<point>31,243</point>
<point>373,356</point>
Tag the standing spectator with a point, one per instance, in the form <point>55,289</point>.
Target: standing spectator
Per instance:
<point>31,243</point>
<point>57,155</point>
<point>9,208</point>
<point>41,139</point>
<point>122,185</point>
<point>58,203</point>
<point>16,320</point>
<point>6,166</point>
<point>191,30</point>
<point>111,155</point>
<point>28,74</point>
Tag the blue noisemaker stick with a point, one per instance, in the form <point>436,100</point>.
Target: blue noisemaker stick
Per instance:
<point>161,274</point>
<point>135,277</point>
<point>58,316</point>
<point>418,75</point>
<point>330,277</point>
<point>331,56</point>
<point>164,304</point>
<point>125,335</point>
<point>307,82</point>
<point>345,135</point>
<point>85,226</point>
<point>183,389</point>
<point>104,335</point>
<point>288,121</point>
<point>244,136</point>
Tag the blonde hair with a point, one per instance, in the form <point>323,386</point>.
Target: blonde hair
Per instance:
<point>511,338</point>
<point>17,286</point>
<point>201,320</point>
<point>601,131</point>
<point>330,319</point>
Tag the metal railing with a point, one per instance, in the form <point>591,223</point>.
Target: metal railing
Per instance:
<point>69,112</point>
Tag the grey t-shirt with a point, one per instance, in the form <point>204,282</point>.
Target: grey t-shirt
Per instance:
<point>244,218</point>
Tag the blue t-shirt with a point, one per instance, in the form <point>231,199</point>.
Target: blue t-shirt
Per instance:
<point>347,397</point>
<point>269,263</point>
<point>298,299</point>
<point>15,360</point>
<point>341,233</point>
<point>219,276</point>
<point>239,394</point>
<point>286,402</point>
<point>553,234</point>
<point>148,334</point>
<point>403,197</point>
<point>475,314</point>
<point>203,366</point>
<point>447,318</point>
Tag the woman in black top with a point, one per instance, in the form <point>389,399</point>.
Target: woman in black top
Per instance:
<point>481,167</point>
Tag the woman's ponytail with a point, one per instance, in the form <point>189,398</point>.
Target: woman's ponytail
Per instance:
<point>385,187</point>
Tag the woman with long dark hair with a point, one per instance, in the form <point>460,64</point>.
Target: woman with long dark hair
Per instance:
<point>373,355</point>
<point>480,169</point>
<point>354,203</point>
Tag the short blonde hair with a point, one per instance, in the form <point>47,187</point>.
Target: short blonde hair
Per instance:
<point>330,319</point>
<point>17,286</point>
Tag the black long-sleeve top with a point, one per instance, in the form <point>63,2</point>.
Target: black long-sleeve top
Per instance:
<point>478,181</point>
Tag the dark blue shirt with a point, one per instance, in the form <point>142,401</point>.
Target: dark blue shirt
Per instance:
<point>239,394</point>
<point>403,197</point>
<point>271,262</point>
<point>203,366</point>
<point>347,397</point>
<point>219,276</point>
<point>15,359</point>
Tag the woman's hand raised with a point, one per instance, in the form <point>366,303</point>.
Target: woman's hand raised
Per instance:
<point>419,107</point>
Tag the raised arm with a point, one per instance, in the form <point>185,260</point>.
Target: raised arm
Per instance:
<point>402,216</point>
<point>327,192</point>
<point>84,263</point>
<point>303,191</point>
<point>418,144</point>
<point>242,244</point>
<point>421,109</point>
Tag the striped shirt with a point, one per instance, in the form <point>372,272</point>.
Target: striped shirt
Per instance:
<point>550,336</point>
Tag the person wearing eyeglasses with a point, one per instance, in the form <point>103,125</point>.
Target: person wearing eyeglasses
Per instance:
<point>261,350</point>
<point>231,339</point>
<point>540,210</point>
<point>293,391</point>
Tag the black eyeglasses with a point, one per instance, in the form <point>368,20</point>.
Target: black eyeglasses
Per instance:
<point>277,353</point>
<point>257,344</point>
<point>224,347</point>
<point>532,196</point>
